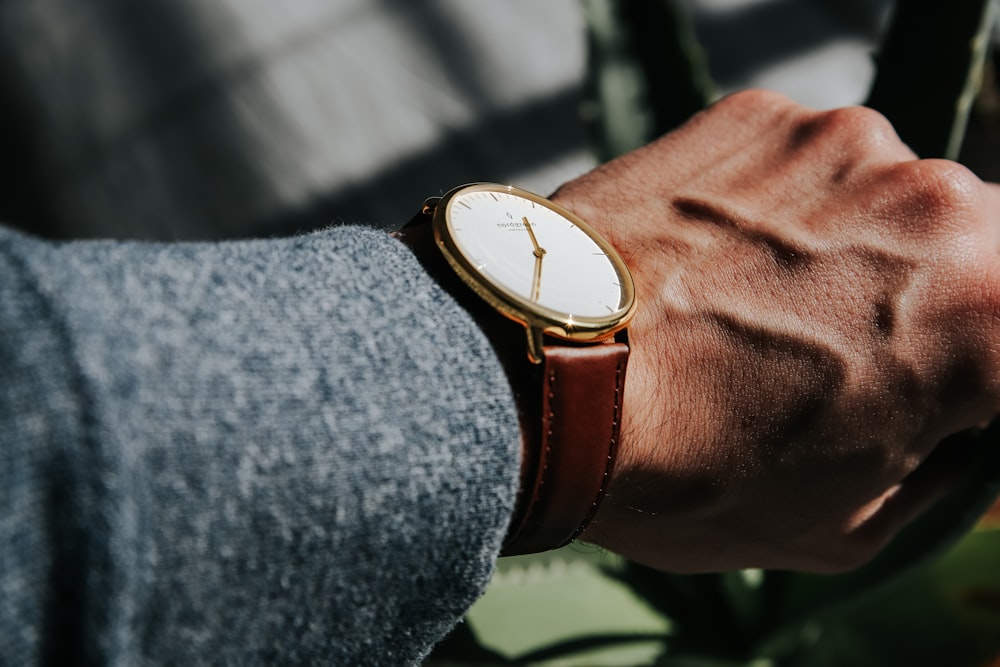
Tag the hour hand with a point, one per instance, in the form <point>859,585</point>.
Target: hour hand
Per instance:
<point>536,279</point>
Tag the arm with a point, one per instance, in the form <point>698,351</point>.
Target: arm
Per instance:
<point>818,312</point>
<point>254,451</point>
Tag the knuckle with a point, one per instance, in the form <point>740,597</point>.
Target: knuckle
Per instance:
<point>847,127</point>
<point>944,186</point>
<point>932,195</point>
<point>756,97</point>
<point>754,105</point>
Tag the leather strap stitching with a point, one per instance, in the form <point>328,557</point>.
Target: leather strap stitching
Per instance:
<point>546,455</point>
<point>612,453</point>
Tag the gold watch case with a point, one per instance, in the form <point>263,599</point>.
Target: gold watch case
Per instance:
<point>537,319</point>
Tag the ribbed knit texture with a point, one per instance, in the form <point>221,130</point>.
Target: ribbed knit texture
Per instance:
<point>292,451</point>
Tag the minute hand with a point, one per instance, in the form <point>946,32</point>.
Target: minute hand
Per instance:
<point>539,250</point>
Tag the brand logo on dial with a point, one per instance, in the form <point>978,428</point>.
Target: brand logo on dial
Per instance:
<point>513,226</point>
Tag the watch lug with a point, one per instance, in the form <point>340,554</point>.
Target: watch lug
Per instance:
<point>534,345</point>
<point>430,205</point>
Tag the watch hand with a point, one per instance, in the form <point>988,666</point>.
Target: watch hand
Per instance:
<point>536,280</point>
<point>539,253</point>
<point>539,250</point>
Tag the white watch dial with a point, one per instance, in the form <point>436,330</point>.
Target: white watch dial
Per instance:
<point>537,255</point>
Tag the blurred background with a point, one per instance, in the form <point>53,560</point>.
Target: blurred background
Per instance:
<point>207,119</point>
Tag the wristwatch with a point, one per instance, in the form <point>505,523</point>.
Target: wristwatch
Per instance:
<point>554,298</point>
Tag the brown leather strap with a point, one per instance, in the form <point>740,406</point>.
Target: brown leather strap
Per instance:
<point>569,408</point>
<point>582,394</point>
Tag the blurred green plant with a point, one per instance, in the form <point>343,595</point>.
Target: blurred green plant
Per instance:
<point>647,73</point>
<point>930,70</point>
<point>932,597</point>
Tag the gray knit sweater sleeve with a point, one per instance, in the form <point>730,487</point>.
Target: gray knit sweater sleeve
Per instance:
<point>293,451</point>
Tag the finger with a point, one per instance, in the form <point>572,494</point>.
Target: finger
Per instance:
<point>796,155</point>
<point>882,519</point>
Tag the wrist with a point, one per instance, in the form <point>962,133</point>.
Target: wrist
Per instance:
<point>553,298</point>
<point>505,339</point>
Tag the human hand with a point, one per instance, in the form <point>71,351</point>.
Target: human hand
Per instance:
<point>818,313</point>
